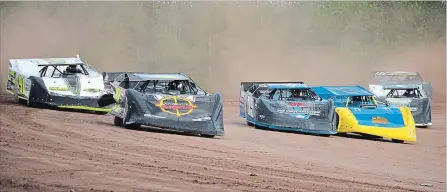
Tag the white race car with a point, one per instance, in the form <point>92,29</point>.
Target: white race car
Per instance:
<point>56,82</point>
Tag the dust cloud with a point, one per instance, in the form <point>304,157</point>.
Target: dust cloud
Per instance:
<point>220,44</point>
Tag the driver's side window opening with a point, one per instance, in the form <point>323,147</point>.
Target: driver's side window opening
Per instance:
<point>358,101</point>
<point>404,93</point>
<point>61,70</point>
<point>293,94</point>
<point>180,86</point>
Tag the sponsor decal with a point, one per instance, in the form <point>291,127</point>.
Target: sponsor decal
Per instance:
<point>58,88</point>
<point>297,104</point>
<point>153,116</point>
<point>413,108</point>
<point>299,112</point>
<point>27,85</point>
<point>177,105</point>
<point>302,116</point>
<point>379,120</point>
<point>92,90</point>
<point>11,75</point>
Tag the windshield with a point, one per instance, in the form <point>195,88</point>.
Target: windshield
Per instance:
<point>62,70</point>
<point>293,95</point>
<point>404,93</point>
<point>169,87</point>
<point>361,101</point>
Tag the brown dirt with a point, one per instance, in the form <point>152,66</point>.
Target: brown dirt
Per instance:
<point>49,150</point>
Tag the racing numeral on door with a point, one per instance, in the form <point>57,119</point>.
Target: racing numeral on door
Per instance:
<point>20,84</point>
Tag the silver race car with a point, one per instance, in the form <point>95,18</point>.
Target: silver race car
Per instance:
<point>56,82</point>
<point>405,89</point>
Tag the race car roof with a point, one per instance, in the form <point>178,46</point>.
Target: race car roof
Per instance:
<point>342,91</point>
<point>49,61</point>
<point>287,86</point>
<point>400,86</point>
<point>162,76</point>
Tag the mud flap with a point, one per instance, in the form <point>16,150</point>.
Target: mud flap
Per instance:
<point>106,100</point>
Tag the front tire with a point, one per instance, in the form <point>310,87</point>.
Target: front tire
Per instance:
<point>118,121</point>
<point>397,141</point>
<point>132,126</point>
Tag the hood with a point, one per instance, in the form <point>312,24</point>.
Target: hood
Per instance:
<point>381,117</point>
<point>82,86</point>
<point>187,107</point>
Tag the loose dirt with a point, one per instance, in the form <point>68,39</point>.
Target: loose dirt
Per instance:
<point>49,150</point>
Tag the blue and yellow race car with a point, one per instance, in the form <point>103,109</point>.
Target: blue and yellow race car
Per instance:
<point>357,111</point>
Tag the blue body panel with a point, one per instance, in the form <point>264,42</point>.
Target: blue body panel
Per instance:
<point>393,116</point>
<point>340,95</point>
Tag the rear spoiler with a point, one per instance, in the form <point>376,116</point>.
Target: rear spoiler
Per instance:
<point>111,76</point>
<point>247,85</point>
<point>402,77</point>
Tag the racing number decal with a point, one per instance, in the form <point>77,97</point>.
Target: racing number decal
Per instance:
<point>118,94</point>
<point>380,73</point>
<point>250,107</point>
<point>20,84</point>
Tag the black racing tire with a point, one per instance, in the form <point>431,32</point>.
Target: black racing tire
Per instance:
<point>250,124</point>
<point>118,121</point>
<point>22,101</point>
<point>397,141</point>
<point>132,126</point>
<point>128,126</point>
<point>206,136</point>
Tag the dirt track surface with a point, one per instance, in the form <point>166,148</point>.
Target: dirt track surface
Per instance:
<point>49,150</point>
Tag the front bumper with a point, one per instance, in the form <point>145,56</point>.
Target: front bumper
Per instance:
<point>403,133</point>
<point>70,102</point>
<point>349,124</point>
<point>195,127</point>
<point>423,124</point>
<point>312,127</point>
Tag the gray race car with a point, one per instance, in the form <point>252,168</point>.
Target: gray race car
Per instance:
<point>288,106</point>
<point>405,89</point>
<point>171,101</point>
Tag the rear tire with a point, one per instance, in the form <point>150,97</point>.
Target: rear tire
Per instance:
<point>27,103</point>
<point>118,121</point>
<point>397,141</point>
<point>207,136</point>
